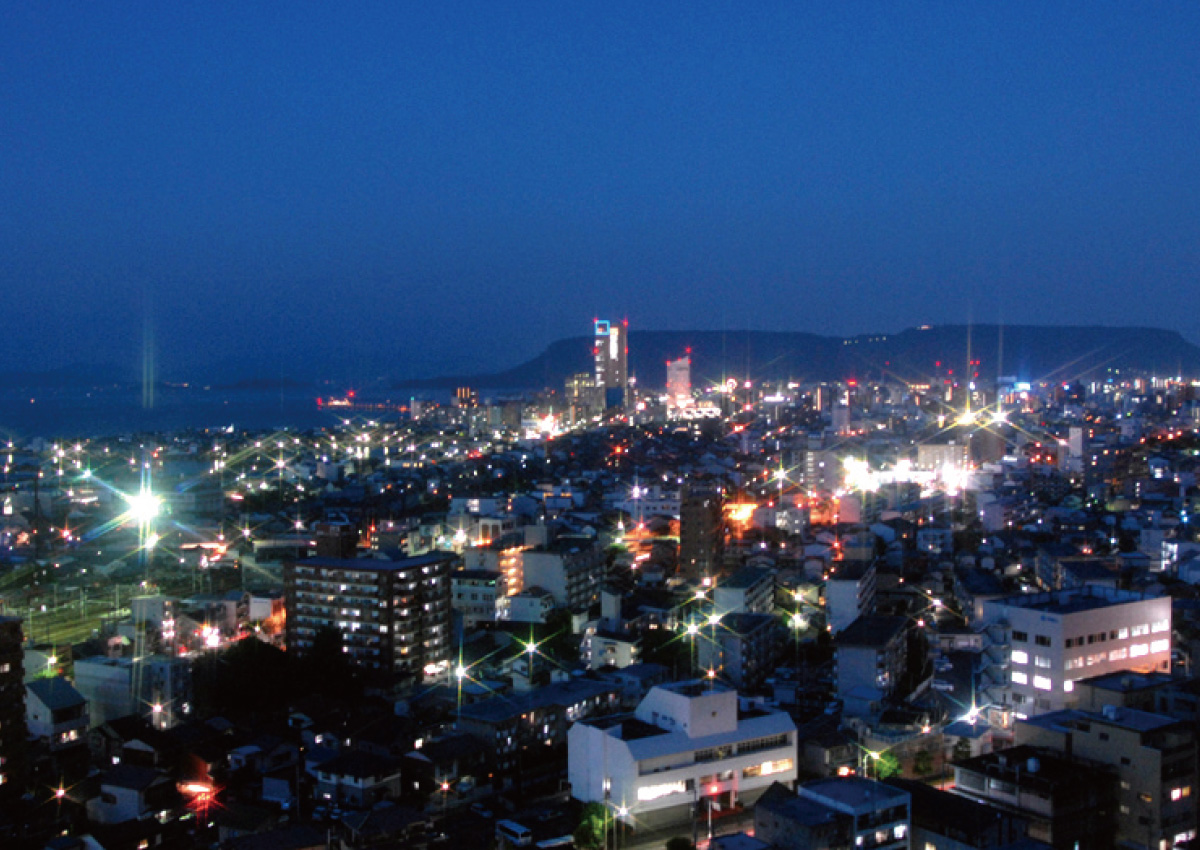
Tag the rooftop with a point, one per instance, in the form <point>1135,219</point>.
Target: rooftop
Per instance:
<point>498,709</point>
<point>377,564</point>
<point>1126,681</point>
<point>1028,767</point>
<point>746,577</point>
<point>1125,718</point>
<point>854,793</point>
<point>1073,600</point>
<point>872,630</point>
<point>56,693</point>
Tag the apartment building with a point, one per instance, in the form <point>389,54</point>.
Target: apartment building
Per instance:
<point>393,615</point>
<point>1153,756</point>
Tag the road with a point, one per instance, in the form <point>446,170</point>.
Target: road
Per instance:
<point>657,839</point>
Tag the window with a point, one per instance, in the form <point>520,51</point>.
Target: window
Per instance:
<point>1073,664</point>
<point>1041,661</point>
<point>1118,655</point>
<point>1019,656</point>
<point>1160,626</point>
<point>1042,640</point>
<point>1019,678</point>
<point>1020,637</point>
<point>1138,650</point>
<point>1042,683</point>
<point>1068,687</point>
<point>1138,631</point>
<point>1160,646</point>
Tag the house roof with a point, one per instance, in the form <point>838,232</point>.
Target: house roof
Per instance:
<point>131,777</point>
<point>294,837</point>
<point>56,694</point>
<point>360,765</point>
<point>501,708</point>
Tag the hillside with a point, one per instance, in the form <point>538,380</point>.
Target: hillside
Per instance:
<point>1062,353</point>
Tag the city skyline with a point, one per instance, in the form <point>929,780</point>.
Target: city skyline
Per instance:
<point>437,188</point>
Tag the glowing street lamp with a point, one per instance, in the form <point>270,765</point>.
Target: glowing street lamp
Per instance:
<point>144,506</point>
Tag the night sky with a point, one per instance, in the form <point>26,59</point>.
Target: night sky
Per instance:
<point>431,187</point>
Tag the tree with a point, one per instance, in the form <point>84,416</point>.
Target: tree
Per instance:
<point>923,763</point>
<point>886,765</point>
<point>962,750</point>
<point>589,835</point>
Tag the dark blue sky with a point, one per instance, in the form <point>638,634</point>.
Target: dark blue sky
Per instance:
<point>428,187</point>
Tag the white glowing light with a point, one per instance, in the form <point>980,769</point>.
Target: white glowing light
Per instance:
<point>143,506</point>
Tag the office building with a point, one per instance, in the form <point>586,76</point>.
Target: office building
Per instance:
<point>393,616</point>
<point>687,743</point>
<point>1052,639</point>
<point>611,352</point>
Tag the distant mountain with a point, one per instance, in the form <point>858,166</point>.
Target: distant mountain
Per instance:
<point>1029,352</point>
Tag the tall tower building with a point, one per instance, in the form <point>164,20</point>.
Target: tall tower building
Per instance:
<point>611,351</point>
<point>701,532</point>
<point>679,381</point>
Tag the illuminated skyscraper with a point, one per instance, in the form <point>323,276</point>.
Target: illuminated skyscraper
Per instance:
<point>612,371</point>
<point>679,381</point>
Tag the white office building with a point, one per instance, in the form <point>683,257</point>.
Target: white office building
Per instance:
<point>688,744</point>
<point>1053,639</point>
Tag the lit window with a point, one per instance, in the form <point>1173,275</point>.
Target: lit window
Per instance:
<point>1138,650</point>
<point>1068,686</point>
<point>1019,678</point>
<point>1042,683</point>
<point>1160,646</point>
<point>1020,656</point>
